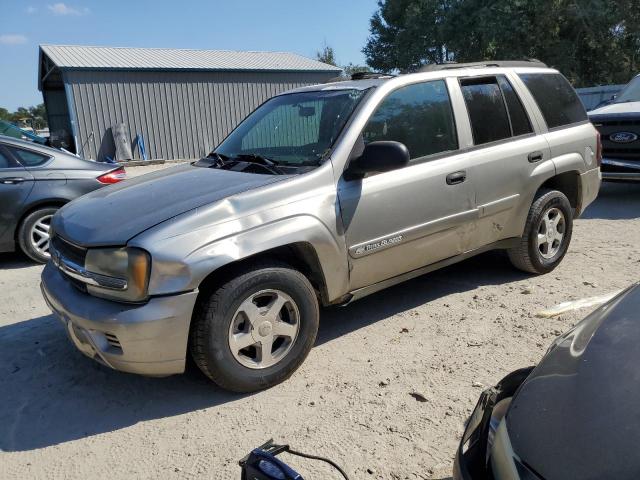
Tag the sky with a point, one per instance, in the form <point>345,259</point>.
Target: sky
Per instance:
<point>301,26</point>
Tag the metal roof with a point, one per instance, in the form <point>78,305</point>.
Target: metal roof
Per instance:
<point>124,58</point>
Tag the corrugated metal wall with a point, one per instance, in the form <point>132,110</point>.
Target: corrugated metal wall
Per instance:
<point>179,114</point>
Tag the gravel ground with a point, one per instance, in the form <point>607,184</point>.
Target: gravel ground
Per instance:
<point>445,336</point>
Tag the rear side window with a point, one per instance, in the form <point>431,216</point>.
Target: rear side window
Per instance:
<point>487,110</point>
<point>418,115</point>
<point>556,98</point>
<point>4,161</point>
<point>29,158</point>
<point>520,124</point>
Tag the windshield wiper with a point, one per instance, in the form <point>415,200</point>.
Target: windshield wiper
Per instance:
<point>213,160</point>
<point>261,160</point>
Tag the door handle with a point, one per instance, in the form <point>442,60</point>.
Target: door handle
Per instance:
<point>456,177</point>
<point>535,157</point>
<point>11,180</point>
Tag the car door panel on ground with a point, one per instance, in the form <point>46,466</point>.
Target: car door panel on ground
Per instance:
<point>506,154</point>
<point>16,184</point>
<point>401,220</point>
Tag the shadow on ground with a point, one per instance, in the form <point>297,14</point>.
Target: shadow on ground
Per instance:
<point>52,394</point>
<point>616,201</point>
<point>14,260</point>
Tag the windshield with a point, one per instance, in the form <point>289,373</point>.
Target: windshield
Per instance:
<point>630,93</point>
<point>294,129</point>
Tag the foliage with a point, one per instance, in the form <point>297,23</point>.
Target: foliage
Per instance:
<point>35,117</point>
<point>326,55</point>
<point>350,69</point>
<point>590,41</point>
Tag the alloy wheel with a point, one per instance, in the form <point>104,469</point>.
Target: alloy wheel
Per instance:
<point>551,232</point>
<point>39,235</point>
<point>264,328</point>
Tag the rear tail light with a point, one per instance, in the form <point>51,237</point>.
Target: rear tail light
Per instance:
<point>114,176</point>
<point>599,150</point>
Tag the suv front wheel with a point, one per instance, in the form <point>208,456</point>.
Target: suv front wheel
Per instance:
<point>254,331</point>
<point>547,234</point>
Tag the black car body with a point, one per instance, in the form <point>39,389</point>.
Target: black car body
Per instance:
<point>35,181</point>
<point>575,415</point>
<point>619,125</point>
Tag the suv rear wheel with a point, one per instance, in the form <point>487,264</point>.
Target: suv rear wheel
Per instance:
<point>547,234</point>
<point>254,331</point>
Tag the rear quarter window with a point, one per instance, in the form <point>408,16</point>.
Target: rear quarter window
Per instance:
<point>558,101</point>
<point>28,158</point>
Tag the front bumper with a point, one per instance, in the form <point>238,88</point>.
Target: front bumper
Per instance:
<point>147,339</point>
<point>622,170</point>
<point>471,458</point>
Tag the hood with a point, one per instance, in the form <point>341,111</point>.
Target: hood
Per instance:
<point>112,215</point>
<point>577,414</point>
<point>617,108</point>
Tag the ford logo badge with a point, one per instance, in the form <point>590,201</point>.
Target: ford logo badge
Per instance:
<point>623,137</point>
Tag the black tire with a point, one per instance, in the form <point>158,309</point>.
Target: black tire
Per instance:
<point>209,335</point>
<point>24,232</point>
<point>527,256</point>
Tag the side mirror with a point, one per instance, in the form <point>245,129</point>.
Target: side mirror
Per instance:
<point>378,157</point>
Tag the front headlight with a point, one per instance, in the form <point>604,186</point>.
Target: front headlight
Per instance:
<point>121,274</point>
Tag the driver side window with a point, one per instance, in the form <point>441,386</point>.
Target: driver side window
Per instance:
<point>419,115</point>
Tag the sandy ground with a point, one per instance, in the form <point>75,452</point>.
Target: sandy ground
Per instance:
<point>444,335</point>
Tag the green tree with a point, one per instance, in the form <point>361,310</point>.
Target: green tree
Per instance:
<point>350,69</point>
<point>35,117</point>
<point>590,41</point>
<point>406,34</point>
<point>326,55</point>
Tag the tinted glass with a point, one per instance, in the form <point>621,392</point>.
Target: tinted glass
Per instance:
<point>520,124</point>
<point>28,158</point>
<point>419,116</point>
<point>630,93</point>
<point>487,111</point>
<point>556,98</point>
<point>4,161</point>
<point>295,129</point>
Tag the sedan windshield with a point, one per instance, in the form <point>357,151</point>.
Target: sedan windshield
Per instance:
<point>293,129</point>
<point>630,93</point>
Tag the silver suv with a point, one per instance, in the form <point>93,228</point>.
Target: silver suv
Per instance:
<point>321,196</point>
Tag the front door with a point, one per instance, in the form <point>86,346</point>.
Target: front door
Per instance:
<point>15,185</point>
<point>401,220</point>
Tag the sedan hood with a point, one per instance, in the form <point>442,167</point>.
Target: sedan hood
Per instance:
<point>577,414</point>
<point>113,215</point>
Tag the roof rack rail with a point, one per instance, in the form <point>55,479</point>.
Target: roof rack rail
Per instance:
<point>369,75</point>
<point>528,62</point>
<point>360,76</point>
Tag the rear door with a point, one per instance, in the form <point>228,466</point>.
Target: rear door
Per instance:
<point>15,185</point>
<point>401,220</point>
<point>507,153</point>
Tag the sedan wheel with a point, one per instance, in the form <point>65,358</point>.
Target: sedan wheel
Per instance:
<point>39,235</point>
<point>34,234</point>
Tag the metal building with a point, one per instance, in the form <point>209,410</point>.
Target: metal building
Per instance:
<point>182,102</point>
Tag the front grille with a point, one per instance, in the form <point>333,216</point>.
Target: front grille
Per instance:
<point>612,125</point>
<point>69,250</point>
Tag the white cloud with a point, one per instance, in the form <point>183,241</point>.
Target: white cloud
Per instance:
<point>12,39</point>
<point>31,10</point>
<point>64,9</point>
